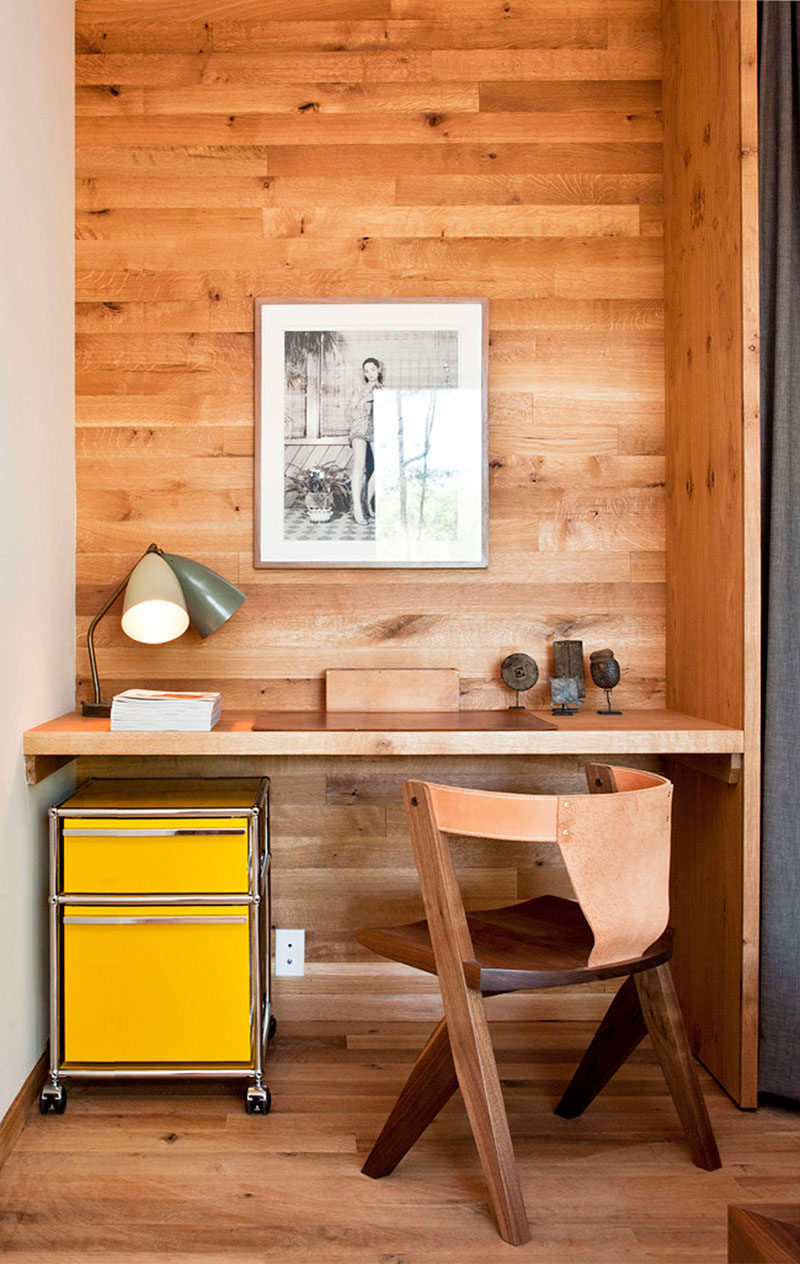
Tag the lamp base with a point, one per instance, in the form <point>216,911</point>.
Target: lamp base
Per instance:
<point>102,709</point>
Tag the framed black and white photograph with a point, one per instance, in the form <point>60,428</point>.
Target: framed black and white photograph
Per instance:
<point>371,433</point>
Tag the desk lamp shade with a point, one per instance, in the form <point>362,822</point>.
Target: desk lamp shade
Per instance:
<point>210,599</point>
<point>164,593</point>
<point>154,610</point>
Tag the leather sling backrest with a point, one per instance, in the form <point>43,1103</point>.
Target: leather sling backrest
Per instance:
<point>615,847</point>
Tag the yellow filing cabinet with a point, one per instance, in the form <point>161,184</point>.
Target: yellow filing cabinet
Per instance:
<point>159,928</point>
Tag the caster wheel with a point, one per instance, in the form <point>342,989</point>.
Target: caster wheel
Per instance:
<point>258,1101</point>
<point>272,1026</point>
<point>53,1098</point>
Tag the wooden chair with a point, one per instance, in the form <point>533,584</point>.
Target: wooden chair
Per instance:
<point>615,844</point>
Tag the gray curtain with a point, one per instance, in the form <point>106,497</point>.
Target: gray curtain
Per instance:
<point>779,164</point>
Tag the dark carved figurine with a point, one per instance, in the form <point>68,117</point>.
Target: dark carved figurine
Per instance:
<point>519,672</point>
<point>568,661</point>
<point>605,673</point>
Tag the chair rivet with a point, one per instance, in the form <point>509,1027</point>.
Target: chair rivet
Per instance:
<point>414,802</point>
<point>566,805</point>
<point>565,832</point>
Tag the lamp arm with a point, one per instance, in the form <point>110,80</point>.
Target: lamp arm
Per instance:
<point>153,548</point>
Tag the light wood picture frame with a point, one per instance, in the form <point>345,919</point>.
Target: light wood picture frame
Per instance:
<point>371,433</point>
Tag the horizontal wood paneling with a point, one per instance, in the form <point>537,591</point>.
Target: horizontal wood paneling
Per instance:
<point>373,148</point>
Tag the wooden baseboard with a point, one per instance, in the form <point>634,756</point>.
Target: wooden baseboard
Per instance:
<point>12,1122</point>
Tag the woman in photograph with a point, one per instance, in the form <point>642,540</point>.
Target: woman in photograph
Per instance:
<point>362,436</point>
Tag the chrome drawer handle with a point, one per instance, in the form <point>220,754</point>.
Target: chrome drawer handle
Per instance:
<point>155,921</point>
<point>148,833</point>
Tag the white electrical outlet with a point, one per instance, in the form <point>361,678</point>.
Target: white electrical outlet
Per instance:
<point>290,952</point>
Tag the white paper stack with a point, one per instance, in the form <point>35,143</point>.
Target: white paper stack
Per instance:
<point>153,710</point>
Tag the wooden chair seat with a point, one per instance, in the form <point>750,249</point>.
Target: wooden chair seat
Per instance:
<point>539,943</point>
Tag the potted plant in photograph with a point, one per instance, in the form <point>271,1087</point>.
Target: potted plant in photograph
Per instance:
<point>324,489</point>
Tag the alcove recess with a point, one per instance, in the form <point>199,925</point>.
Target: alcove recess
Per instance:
<point>365,148</point>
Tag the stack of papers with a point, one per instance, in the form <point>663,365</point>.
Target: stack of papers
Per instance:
<point>152,710</point>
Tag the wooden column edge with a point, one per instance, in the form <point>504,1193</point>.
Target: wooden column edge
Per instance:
<point>751,491</point>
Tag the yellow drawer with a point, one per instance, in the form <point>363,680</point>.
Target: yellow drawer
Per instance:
<point>157,984</point>
<point>167,855</point>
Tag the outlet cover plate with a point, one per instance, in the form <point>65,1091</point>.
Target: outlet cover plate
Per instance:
<point>290,953</point>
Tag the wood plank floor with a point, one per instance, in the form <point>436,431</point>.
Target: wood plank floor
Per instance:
<point>155,1173</point>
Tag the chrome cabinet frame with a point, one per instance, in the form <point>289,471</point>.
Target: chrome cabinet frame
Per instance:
<point>257,898</point>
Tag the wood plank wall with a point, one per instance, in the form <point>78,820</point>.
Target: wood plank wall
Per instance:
<point>509,148</point>
<point>500,148</point>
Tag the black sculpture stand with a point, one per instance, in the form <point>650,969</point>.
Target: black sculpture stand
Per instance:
<point>607,709</point>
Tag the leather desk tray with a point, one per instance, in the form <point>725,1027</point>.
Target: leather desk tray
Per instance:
<point>512,720</point>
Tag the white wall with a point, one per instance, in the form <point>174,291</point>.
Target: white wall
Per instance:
<point>37,487</point>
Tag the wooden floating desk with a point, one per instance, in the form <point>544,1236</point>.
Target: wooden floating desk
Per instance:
<point>49,746</point>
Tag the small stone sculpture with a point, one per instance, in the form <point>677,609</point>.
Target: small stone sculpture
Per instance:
<point>605,673</point>
<point>520,673</point>
<point>565,695</point>
<point>568,661</point>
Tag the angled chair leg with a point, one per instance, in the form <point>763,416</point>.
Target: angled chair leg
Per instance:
<point>621,1030</point>
<point>430,1085</point>
<point>483,1097</point>
<point>662,1014</point>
